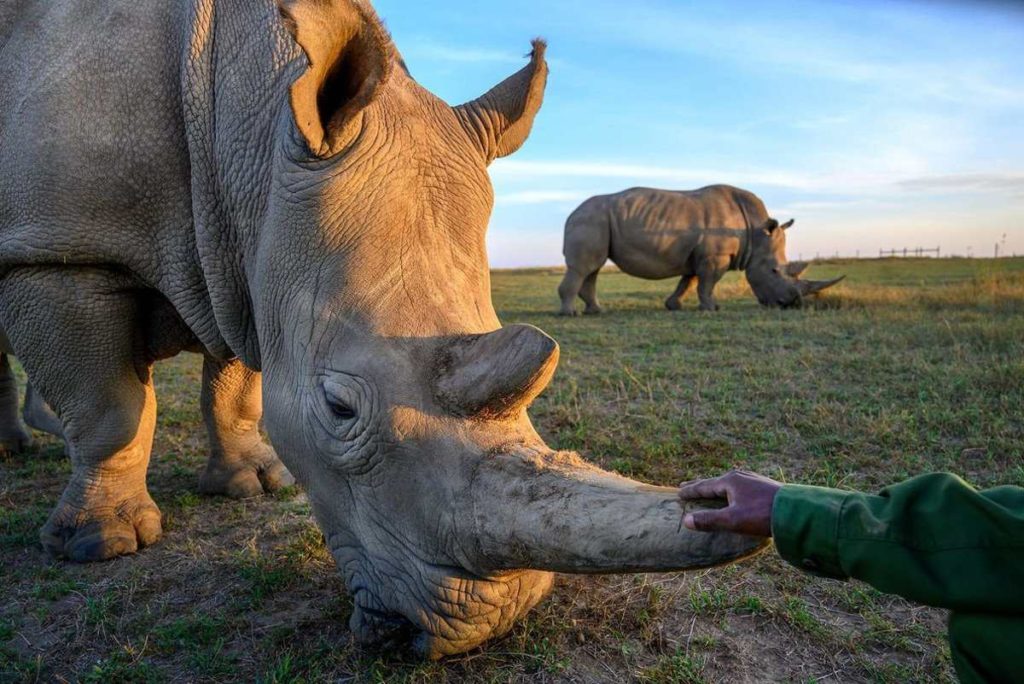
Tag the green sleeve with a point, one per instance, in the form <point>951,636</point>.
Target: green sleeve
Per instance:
<point>933,539</point>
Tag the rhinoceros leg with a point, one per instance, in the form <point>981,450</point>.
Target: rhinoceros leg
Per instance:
<point>13,437</point>
<point>39,416</point>
<point>79,329</point>
<point>675,300</point>
<point>568,290</point>
<point>709,273</point>
<point>241,464</point>
<point>588,293</point>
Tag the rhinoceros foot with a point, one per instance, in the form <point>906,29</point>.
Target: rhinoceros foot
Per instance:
<point>102,530</point>
<point>255,474</point>
<point>15,441</point>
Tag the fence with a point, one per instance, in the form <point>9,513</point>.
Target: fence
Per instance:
<point>936,252</point>
<point>907,252</point>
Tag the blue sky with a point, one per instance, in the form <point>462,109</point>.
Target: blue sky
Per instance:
<point>874,124</point>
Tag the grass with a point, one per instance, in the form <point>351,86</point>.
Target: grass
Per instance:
<point>908,366</point>
<point>677,668</point>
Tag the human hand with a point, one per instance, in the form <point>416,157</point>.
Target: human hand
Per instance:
<point>750,498</point>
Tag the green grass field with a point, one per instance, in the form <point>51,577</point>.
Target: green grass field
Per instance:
<point>908,366</point>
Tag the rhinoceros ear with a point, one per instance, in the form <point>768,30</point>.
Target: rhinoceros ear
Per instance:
<point>500,120</point>
<point>788,224</point>
<point>770,226</point>
<point>350,56</point>
<point>495,375</point>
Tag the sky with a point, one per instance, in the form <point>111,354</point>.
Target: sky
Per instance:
<point>876,125</point>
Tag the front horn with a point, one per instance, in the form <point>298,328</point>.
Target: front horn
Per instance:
<point>813,287</point>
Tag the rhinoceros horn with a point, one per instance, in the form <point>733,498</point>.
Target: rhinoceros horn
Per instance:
<point>795,269</point>
<point>498,374</point>
<point>555,512</point>
<point>813,287</point>
<point>534,508</point>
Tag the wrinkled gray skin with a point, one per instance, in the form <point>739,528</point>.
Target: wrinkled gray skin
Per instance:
<point>696,234</point>
<point>270,187</point>
<point>35,412</point>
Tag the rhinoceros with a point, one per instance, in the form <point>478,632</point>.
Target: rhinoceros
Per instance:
<point>697,234</point>
<point>35,412</point>
<point>266,184</point>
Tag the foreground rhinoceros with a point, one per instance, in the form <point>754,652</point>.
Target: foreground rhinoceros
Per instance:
<point>269,186</point>
<point>697,234</point>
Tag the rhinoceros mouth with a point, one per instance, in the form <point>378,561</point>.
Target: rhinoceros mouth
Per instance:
<point>795,303</point>
<point>374,625</point>
<point>434,609</point>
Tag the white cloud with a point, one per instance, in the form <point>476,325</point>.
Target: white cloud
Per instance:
<point>802,206</point>
<point>637,173</point>
<point>513,248</point>
<point>967,182</point>
<point>461,54</point>
<point>851,181</point>
<point>942,71</point>
<point>541,197</point>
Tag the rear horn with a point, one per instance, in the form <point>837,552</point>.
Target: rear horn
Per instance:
<point>495,375</point>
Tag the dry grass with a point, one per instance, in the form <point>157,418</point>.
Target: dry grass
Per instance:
<point>908,366</point>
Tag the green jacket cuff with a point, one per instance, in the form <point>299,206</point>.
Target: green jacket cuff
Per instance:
<point>805,525</point>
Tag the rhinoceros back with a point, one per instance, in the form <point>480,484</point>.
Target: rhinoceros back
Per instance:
<point>662,233</point>
<point>95,167</point>
<point>93,159</point>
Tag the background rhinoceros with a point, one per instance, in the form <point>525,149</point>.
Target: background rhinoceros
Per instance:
<point>697,234</point>
<point>268,185</point>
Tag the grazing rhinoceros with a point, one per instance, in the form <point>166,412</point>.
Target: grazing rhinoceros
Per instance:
<point>696,234</point>
<point>269,186</point>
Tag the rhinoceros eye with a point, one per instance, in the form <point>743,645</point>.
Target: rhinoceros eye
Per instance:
<point>340,409</point>
<point>346,414</point>
<point>341,400</point>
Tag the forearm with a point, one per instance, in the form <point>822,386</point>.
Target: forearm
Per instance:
<point>932,539</point>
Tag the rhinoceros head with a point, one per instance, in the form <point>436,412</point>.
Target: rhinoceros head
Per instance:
<point>390,389</point>
<point>776,282</point>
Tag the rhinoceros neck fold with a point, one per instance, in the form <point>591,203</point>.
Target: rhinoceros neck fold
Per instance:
<point>228,47</point>
<point>742,259</point>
